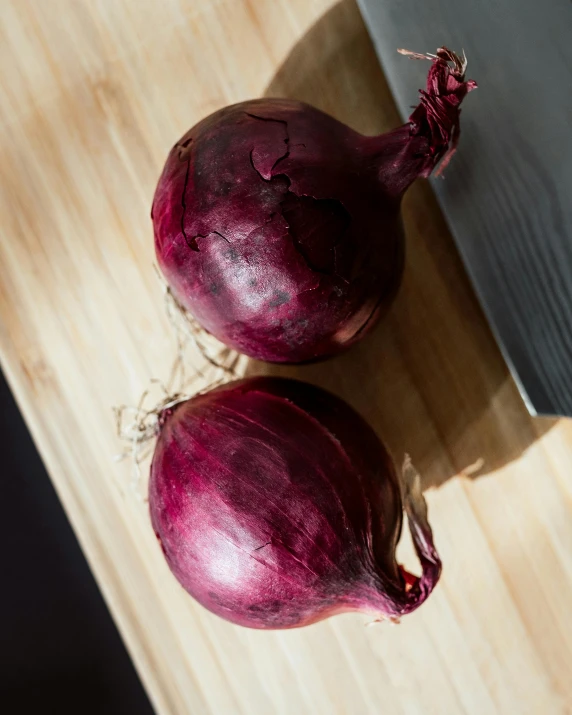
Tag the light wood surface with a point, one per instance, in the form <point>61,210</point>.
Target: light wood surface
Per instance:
<point>93,94</point>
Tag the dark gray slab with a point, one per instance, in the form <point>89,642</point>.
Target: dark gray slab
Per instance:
<point>507,194</point>
<point>60,653</point>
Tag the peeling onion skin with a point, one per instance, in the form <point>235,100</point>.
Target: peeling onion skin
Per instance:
<point>277,506</point>
<point>278,227</point>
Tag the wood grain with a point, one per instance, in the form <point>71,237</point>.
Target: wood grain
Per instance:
<point>92,97</point>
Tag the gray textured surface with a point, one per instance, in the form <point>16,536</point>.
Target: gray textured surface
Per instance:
<point>507,194</point>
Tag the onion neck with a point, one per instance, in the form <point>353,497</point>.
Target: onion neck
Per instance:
<point>387,598</point>
<point>416,509</point>
<point>432,131</point>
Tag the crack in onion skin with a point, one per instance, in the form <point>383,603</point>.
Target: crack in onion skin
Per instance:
<point>277,506</point>
<point>278,227</point>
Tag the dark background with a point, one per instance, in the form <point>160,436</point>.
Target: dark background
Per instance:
<point>60,652</point>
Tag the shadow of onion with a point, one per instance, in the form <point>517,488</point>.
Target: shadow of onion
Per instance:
<point>430,379</point>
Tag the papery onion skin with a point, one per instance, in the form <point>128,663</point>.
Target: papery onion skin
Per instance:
<point>276,506</point>
<point>278,227</point>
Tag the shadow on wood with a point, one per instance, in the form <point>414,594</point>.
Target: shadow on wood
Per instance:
<point>430,379</point>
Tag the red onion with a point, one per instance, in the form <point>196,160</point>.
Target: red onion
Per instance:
<point>276,506</point>
<point>278,228</point>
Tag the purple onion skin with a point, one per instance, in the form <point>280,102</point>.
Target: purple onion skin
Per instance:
<point>276,506</point>
<point>278,227</point>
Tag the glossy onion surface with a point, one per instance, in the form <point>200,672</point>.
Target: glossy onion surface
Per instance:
<point>276,506</point>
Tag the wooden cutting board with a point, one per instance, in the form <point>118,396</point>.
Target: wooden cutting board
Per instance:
<point>92,97</point>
